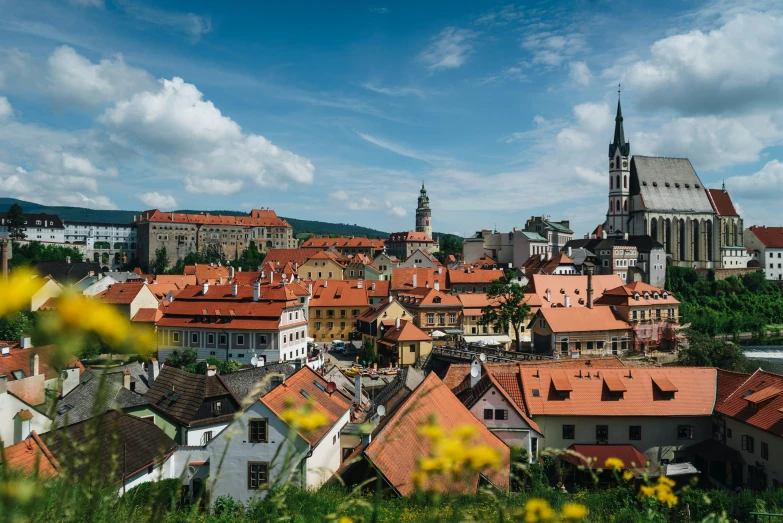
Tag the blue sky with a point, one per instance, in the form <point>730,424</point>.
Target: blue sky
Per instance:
<point>337,110</point>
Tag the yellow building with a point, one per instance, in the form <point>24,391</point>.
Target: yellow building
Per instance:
<point>324,265</point>
<point>334,308</point>
<point>403,344</point>
<point>372,321</point>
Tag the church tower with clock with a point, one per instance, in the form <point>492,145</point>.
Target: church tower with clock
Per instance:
<point>617,216</point>
<point>424,213</point>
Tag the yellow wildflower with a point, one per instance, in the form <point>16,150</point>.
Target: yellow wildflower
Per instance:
<point>483,456</point>
<point>345,519</point>
<point>465,432</point>
<point>306,418</point>
<point>18,290</point>
<point>663,480</point>
<point>432,431</point>
<point>538,511</point>
<point>614,463</point>
<point>430,465</point>
<point>573,512</point>
<point>647,491</point>
<point>627,475</point>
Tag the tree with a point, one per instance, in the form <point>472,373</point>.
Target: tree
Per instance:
<point>449,244</point>
<point>368,352</point>
<point>508,308</point>
<point>16,227</point>
<point>12,327</point>
<point>182,358</point>
<point>705,351</point>
<point>30,253</point>
<point>161,261</point>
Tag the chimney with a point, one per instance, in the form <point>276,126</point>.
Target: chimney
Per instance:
<point>3,383</point>
<point>153,369</point>
<point>256,291</point>
<point>126,380</point>
<point>310,288</point>
<point>263,274</point>
<point>567,300</point>
<point>34,367</point>
<point>397,323</point>
<point>625,236</point>
<point>569,252</point>
<point>5,247</point>
<point>211,370</point>
<point>24,342</point>
<point>325,283</point>
<point>230,273</point>
<point>426,284</point>
<point>391,298</point>
<point>548,255</point>
<point>372,286</point>
<point>542,256</point>
<point>548,296</point>
<point>271,278</point>
<point>234,289</point>
<point>204,288</point>
<point>436,285</point>
<point>440,270</point>
<point>359,284</point>
<point>414,280</point>
<point>357,390</point>
<point>475,372</point>
<point>603,235</point>
<point>589,287</point>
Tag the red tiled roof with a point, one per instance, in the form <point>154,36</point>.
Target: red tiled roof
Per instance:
<point>289,396</point>
<point>284,256</point>
<point>409,236</point>
<point>771,237</point>
<point>582,319</point>
<point>513,396</point>
<point>120,293</point>
<point>728,382</point>
<point>402,278</point>
<point>148,315</point>
<point>328,255</point>
<point>695,395</point>
<point>397,447</point>
<point>29,455</point>
<point>208,273</point>
<point>340,293</point>
<point>407,332</point>
<point>721,202</point>
<point>482,261</point>
<point>19,359</point>
<point>257,218</point>
<point>625,295</point>
<point>427,297</point>
<point>339,243</point>
<point>758,402</point>
<point>180,280</point>
<point>595,456</point>
<point>562,285</point>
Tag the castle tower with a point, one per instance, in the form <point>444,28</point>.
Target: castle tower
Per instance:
<point>424,213</point>
<point>619,179</point>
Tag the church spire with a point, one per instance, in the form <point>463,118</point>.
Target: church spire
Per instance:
<point>619,132</point>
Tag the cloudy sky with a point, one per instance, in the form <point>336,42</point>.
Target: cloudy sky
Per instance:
<point>337,110</point>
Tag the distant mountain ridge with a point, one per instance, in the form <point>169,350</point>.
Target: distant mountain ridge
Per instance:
<point>81,214</point>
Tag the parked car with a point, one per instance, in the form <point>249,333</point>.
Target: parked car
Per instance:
<point>338,346</point>
<point>351,349</point>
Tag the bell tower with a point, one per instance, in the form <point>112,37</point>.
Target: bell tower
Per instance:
<point>619,178</point>
<point>424,213</point>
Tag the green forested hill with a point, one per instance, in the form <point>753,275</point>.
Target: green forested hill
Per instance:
<point>80,214</point>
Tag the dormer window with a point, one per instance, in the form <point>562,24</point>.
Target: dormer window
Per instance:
<point>665,295</point>
<point>636,296</point>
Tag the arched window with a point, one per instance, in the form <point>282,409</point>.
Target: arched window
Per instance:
<point>625,205</point>
<point>681,238</point>
<point>654,228</point>
<point>618,205</point>
<point>667,240</point>
<point>625,182</point>
<point>611,183</point>
<point>617,181</point>
<point>708,231</point>
<point>696,240</point>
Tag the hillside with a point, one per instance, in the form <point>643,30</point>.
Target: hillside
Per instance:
<point>80,214</point>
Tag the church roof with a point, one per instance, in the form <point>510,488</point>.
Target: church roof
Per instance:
<point>721,202</point>
<point>668,184</point>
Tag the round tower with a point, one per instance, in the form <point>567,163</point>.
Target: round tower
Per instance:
<point>424,213</point>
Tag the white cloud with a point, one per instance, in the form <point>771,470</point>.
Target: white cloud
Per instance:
<point>157,200</point>
<point>84,167</point>
<point>6,111</point>
<point>579,73</point>
<point>726,70</point>
<point>339,196</point>
<point>89,3</point>
<point>188,23</point>
<point>550,49</point>
<point>15,68</point>
<point>507,14</point>
<point>509,73</point>
<point>360,204</point>
<point>178,125</point>
<point>393,91</point>
<point>449,49</point>
<point>76,80</point>
<point>52,189</point>
<point>764,184</point>
<point>402,150</point>
<point>395,210</point>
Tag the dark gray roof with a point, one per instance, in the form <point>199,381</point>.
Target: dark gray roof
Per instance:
<point>344,383</point>
<point>408,377</point>
<point>99,391</point>
<point>668,184</point>
<point>644,243</point>
<point>242,382</point>
<point>580,254</point>
<point>66,273</point>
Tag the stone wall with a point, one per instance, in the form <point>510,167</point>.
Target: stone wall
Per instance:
<point>722,274</point>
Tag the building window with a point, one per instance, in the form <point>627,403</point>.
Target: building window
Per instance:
<point>635,432</point>
<point>317,313</point>
<point>748,443</point>
<point>452,318</point>
<point>318,325</point>
<point>342,325</point>
<point>210,338</point>
<point>194,338</point>
<point>764,451</point>
<point>240,339</point>
<point>222,339</point>
<point>330,325</point>
<point>501,414</point>
<point>175,337</point>
<point>217,408</point>
<point>206,437</point>
<point>685,432</point>
<point>569,431</point>
<point>413,347</point>
<point>258,431</point>
<point>257,475</point>
<point>430,318</point>
<point>602,433</point>
<point>488,413</point>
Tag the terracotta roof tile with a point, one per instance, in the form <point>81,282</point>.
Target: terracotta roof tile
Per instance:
<point>582,319</point>
<point>721,202</point>
<point>397,446</point>
<point>771,237</point>
<point>728,382</point>
<point>402,278</point>
<point>472,276</point>
<point>407,332</point>
<point>30,454</point>
<point>595,456</point>
<point>535,265</point>
<point>148,316</point>
<point>19,359</point>
<point>569,284</point>
<point>257,218</point>
<point>180,280</point>
<point>339,293</point>
<point>341,243</point>
<point>121,293</point>
<point>757,402</point>
<point>409,236</point>
<point>290,395</point>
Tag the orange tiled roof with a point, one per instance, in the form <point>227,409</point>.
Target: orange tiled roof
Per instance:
<point>409,236</point>
<point>695,394</point>
<point>180,280</point>
<point>402,278</point>
<point>29,455</point>
<point>582,319</point>
<point>289,396</point>
<point>19,359</point>
<point>728,382</point>
<point>283,256</point>
<point>771,237</point>
<point>340,243</point>
<point>328,255</point>
<point>397,446</point>
<point>340,293</point>
<point>161,290</point>
<point>148,316</point>
<point>535,265</point>
<point>419,297</point>
<point>257,218</point>
<point>721,202</point>
<point>484,260</point>
<point>757,401</point>
<point>208,273</point>
<point>120,293</point>
<point>471,276</point>
<point>575,286</point>
<point>625,295</point>
<point>407,332</point>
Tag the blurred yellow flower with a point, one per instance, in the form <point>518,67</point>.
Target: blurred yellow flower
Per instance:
<point>465,432</point>
<point>662,491</point>
<point>663,480</point>
<point>627,475</point>
<point>483,456</point>
<point>17,291</point>
<point>306,418</point>
<point>573,512</point>
<point>432,431</point>
<point>614,463</point>
<point>345,519</point>
<point>538,511</point>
